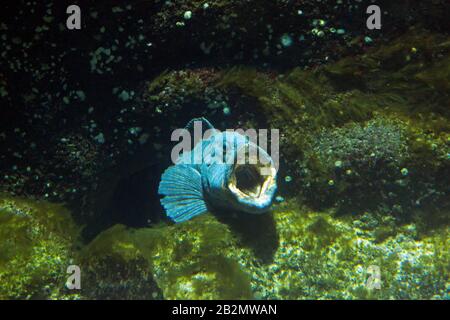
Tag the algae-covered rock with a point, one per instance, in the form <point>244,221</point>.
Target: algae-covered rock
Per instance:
<point>192,260</point>
<point>356,160</point>
<point>198,260</point>
<point>368,130</point>
<point>173,93</point>
<point>324,257</point>
<point>384,162</point>
<point>114,268</point>
<point>37,242</point>
<point>335,257</point>
<point>303,255</point>
<point>315,256</point>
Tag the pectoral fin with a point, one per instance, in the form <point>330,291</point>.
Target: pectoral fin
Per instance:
<point>181,186</point>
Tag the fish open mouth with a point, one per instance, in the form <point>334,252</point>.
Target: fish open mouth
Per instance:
<point>247,180</point>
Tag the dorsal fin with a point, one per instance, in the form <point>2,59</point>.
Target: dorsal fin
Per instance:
<point>203,120</point>
<point>206,125</point>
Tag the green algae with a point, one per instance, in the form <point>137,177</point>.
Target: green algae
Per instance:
<point>37,244</point>
<point>392,87</point>
<point>318,256</point>
<point>250,81</point>
<point>437,76</point>
<point>323,230</point>
<point>402,77</point>
<point>115,268</point>
<point>299,96</point>
<point>187,261</point>
<point>338,269</point>
<point>204,271</point>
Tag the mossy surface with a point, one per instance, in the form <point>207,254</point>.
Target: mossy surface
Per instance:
<point>317,256</point>
<point>198,261</point>
<point>115,268</point>
<point>187,261</point>
<point>37,244</point>
<point>321,256</point>
<point>349,128</point>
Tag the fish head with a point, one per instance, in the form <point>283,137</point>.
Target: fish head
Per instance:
<point>252,180</point>
<point>246,179</point>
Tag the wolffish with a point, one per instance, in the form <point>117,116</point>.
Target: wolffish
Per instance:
<point>221,171</point>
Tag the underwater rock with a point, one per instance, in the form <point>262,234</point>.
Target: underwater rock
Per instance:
<point>243,32</point>
<point>383,162</point>
<point>175,91</point>
<point>359,94</point>
<point>305,255</point>
<point>315,256</point>
<point>370,156</point>
<point>37,243</point>
<point>324,257</point>
<point>75,157</point>
<point>114,268</point>
<point>192,260</point>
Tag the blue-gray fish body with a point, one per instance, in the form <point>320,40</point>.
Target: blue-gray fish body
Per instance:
<point>218,173</point>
